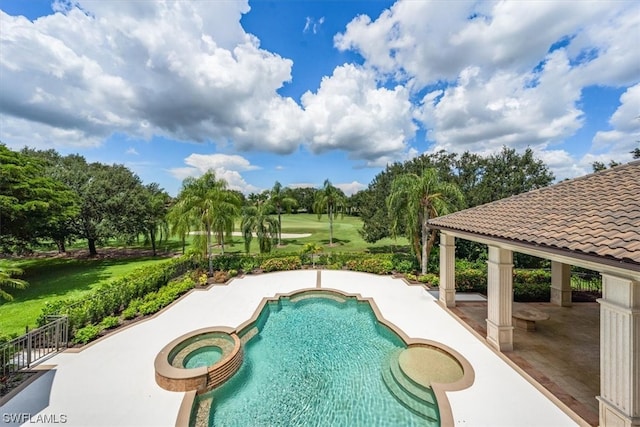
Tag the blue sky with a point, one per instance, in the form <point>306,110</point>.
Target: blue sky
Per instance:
<point>301,91</point>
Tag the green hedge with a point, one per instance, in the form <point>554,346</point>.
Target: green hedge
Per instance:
<point>113,297</point>
<point>281,264</point>
<point>528,285</point>
<point>471,280</point>
<point>531,292</point>
<point>531,285</point>
<point>378,264</point>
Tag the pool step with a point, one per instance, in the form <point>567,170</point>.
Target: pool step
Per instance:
<point>418,399</point>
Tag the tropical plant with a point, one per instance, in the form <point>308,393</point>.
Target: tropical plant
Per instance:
<point>280,202</point>
<point>256,219</point>
<point>331,200</point>
<point>8,280</point>
<point>155,214</point>
<point>208,204</point>
<point>313,249</point>
<point>415,199</point>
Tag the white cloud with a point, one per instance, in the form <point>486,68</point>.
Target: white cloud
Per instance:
<point>351,112</point>
<point>132,151</point>
<point>184,70</point>
<point>482,114</point>
<point>487,73</point>
<point>503,73</point>
<point>227,167</point>
<point>350,188</point>
<point>312,24</point>
<point>625,134</point>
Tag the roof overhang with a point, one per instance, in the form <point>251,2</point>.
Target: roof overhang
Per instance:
<point>566,256</point>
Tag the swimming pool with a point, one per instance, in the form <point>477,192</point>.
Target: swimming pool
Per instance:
<point>317,359</point>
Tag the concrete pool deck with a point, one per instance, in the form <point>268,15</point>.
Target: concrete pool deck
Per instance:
<point>111,383</point>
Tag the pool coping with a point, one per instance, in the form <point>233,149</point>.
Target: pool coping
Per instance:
<point>439,389</point>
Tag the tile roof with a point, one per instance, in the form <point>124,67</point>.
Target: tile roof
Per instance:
<point>594,215</point>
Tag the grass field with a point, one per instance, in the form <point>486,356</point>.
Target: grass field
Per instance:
<point>56,278</point>
<point>52,279</point>
<point>346,237</point>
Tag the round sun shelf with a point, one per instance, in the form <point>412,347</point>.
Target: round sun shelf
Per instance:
<point>427,365</point>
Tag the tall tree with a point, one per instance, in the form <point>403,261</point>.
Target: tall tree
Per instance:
<point>112,202</point>
<point>154,220</point>
<point>600,166</point>
<point>281,202</point>
<point>256,219</point>
<point>331,200</point>
<point>415,199</point>
<point>208,203</point>
<point>33,206</point>
<point>304,197</point>
<point>508,173</point>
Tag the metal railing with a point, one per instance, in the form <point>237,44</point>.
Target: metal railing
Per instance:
<point>586,282</point>
<point>33,347</point>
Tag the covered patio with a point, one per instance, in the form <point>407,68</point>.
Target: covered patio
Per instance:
<point>591,222</point>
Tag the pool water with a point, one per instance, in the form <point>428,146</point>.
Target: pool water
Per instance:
<point>314,362</point>
<point>203,356</point>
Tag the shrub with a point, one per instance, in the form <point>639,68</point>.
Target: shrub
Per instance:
<point>233,273</point>
<point>471,280</point>
<point>432,279</point>
<point>531,292</point>
<point>109,322</point>
<point>404,267</point>
<point>281,264</point>
<point>248,264</point>
<point>532,277</point>
<point>375,265</point>
<point>151,306</point>
<point>155,301</point>
<point>86,334</point>
<point>220,277</point>
<point>116,295</point>
<point>334,266</point>
<point>131,311</point>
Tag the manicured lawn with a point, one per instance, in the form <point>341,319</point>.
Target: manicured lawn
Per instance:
<point>52,279</point>
<point>346,237</point>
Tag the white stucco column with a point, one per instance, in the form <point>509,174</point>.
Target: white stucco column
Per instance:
<point>500,298</point>
<point>447,287</point>
<point>560,284</point>
<point>619,352</point>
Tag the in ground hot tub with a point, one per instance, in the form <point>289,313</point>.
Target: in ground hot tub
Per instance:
<point>200,360</point>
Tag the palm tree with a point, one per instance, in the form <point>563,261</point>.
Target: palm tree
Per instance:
<point>8,281</point>
<point>332,200</point>
<point>280,201</point>
<point>313,249</point>
<point>155,214</point>
<point>413,200</point>
<point>256,219</point>
<point>206,202</point>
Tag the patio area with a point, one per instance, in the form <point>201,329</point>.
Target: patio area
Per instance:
<point>562,354</point>
<point>111,382</point>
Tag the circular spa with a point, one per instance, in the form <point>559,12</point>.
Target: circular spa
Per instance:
<point>199,360</point>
